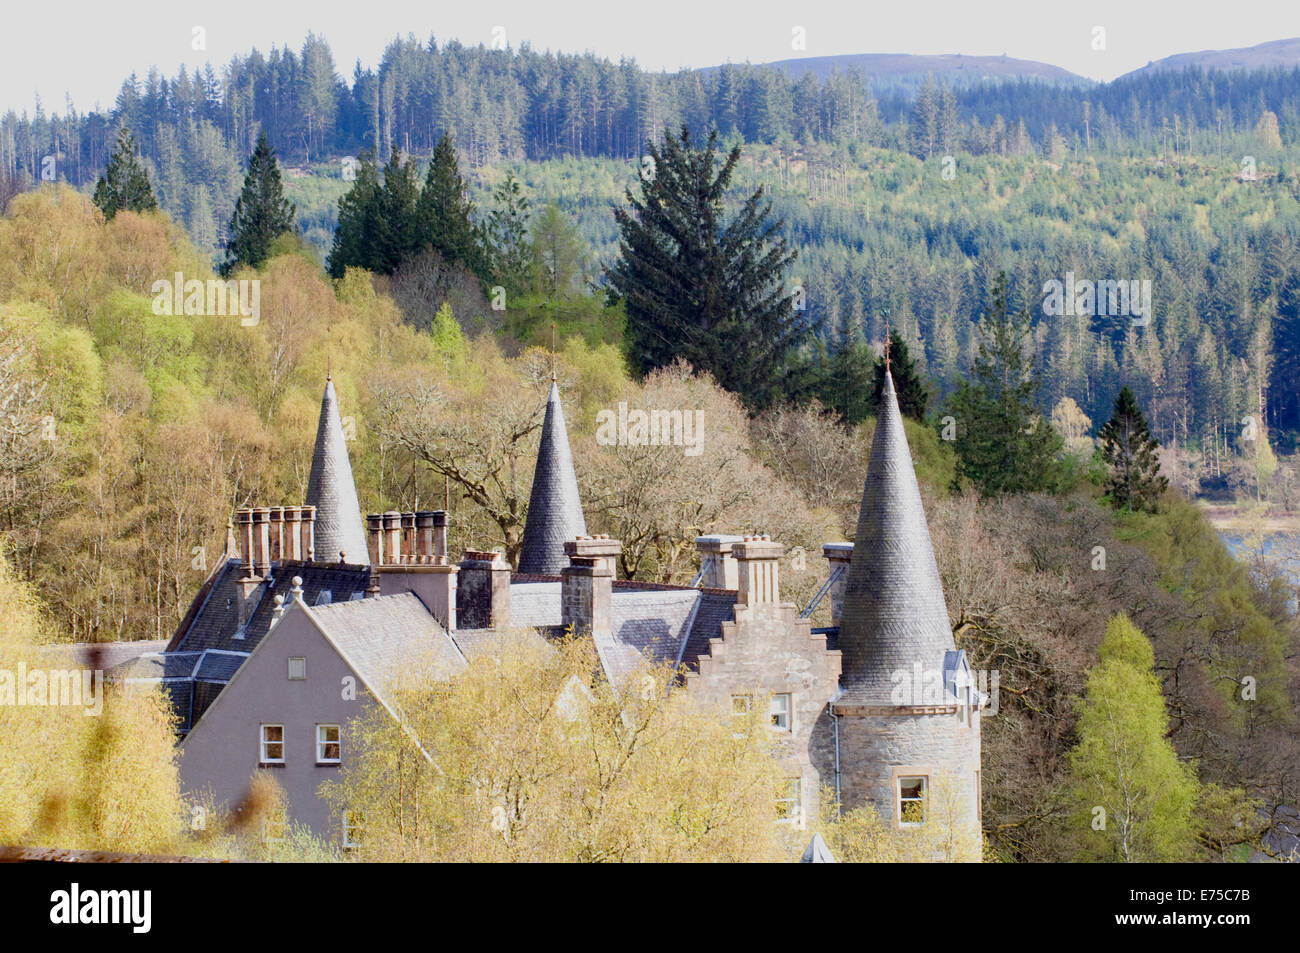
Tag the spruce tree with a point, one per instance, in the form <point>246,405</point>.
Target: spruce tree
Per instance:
<point>262,214</point>
<point>445,214</point>
<point>1129,449</point>
<point>698,287</point>
<point>399,229</point>
<point>913,392</point>
<point>124,184</point>
<point>508,231</point>
<point>356,237</point>
<point>1004,444</point>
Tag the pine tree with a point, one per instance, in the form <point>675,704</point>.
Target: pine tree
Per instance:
<point>445,214</point>
<point>262,214</point>
<point>1004,444</point>
<point>508,232</point>
<point>399,225</point>
<point>1129,449</point>
<point>124,184</point>
<point>913,392</point>
<point>696,287</point>
<point>1133,798</point>
<point>356,237</point>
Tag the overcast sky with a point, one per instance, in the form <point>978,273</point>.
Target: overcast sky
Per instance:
<point>85,49</point>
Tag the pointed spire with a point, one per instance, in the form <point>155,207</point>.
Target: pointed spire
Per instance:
<point>554,509</point>
<point>894,613</point>
<point>331,490</point>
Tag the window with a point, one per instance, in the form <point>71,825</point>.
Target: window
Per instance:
<point>273,827</point>
<point>353,828</point>
<point>787,800</point>
<point>911,800</point>
<point>273,744</point>
<point>327,744</point>
<point>780,710</point>
<point>297,669</point>
<point>741,704</point>
<point>324,598</point>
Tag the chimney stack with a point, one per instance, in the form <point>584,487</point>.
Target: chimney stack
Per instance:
<point>758,564</point>
<point>483,594</point>
<point>601,548</point>
<point>587,585</point>
<point>308,543</point>
<point>393,551</point>
<point>838,556</point>
<point>716,562</point>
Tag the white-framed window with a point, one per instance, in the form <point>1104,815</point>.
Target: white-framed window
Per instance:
<point>327,744</point>
<point>353,828</point>
<point>297,669</point>
<point>780,709</point>
<point>912,789</point>
<point>324,597</point>
<point>741,705</point>
<point>273,826</point>
<point>787,800</point>
<point>272,744</point>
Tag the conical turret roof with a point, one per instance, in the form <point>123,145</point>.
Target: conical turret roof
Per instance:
<point>554,509</point>
<point>894,613</point>
<point>332,491</point>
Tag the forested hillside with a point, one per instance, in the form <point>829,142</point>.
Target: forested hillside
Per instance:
<point>1187,180</point>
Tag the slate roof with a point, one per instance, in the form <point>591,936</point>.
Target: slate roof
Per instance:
<point>216,624</point>
<point>894,613</point>
<point>665,623</point>
<point>104,655</point>
<point>385,637</point>
<point>817,852</point>
<point>331,490</point>
<point>210,645</point>
<point>554,507</point>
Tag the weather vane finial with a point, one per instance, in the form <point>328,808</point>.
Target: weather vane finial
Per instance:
<point>552,352</point>
<point>887,334</point>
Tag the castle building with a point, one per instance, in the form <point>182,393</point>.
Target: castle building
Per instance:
<point>314,613</point>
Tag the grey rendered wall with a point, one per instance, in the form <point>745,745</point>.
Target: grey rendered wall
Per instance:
<point>221,753</point>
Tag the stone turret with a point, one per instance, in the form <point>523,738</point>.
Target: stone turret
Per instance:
<point>338,527</point>
<point>554,508</point>
<point>908,735</point>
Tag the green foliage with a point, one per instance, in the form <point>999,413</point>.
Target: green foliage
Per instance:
<point>697,288</point>
<point>447,336</point>
<point>1133,798</point>
<point>508,235</point>
<point>1004,444</point>
<point>1129,449</point>
<point>261,214</point>
<point>124,184</point>
<point>444,215</point>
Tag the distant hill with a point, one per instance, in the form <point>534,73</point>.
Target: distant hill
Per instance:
<point>905,68</point>
<point>1284,53</point>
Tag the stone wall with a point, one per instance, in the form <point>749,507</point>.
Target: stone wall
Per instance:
<point>875,748</point>
<point>769,650</point>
